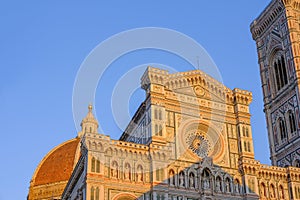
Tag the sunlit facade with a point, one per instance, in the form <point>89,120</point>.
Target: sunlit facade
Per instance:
<point>191,137</point>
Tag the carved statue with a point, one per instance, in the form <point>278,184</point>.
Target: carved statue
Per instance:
<point>171,177</point>
<point>114,171</point>
<point>140,176</point>
<point>206,184</point>
<point>227,186</point>
<point>236,186</point>
<point>218,186</point>
<point>181,180</point>
<point>191,181</point>
<point>127,172</point>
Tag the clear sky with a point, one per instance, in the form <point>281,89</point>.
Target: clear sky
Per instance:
<point>43,44</point>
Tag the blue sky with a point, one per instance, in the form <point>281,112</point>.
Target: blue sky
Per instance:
<point>43,44</point>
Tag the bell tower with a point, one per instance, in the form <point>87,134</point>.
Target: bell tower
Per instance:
<point>277,35</point>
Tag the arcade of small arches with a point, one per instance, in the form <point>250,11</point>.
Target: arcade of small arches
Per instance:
<point>271,191</point>
<point>204,180</point>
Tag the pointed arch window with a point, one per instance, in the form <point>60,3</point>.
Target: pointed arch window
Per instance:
<point>263,190</point>
<point>281,192</point>
<point>156,129</point>
<point>97,194</point>
<point>280,72</point>
<point>93,165</point>
<point>282,129</point>
<point>92,193</point>
<point>98,166</point>
<point>297,163</point>
<point>160,130</point>
<point>292,122</point>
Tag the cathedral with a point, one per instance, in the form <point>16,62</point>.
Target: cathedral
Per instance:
<point>191,137</point>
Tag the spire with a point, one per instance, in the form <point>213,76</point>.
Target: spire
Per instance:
<point>89,124</point>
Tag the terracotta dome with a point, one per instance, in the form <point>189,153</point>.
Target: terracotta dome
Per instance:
<point>58,164</point>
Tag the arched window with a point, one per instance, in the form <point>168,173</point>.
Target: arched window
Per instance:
<point>245,146</point>
<point>297,163</point>
<point>160,130</point>
<point>156,129</point>
<point>282,129</point>
<point>159,115</point>
<point>93,165</point>
<point>263,191</point>
<point>98,166</point>
<point>280,73</point>
<point>159,174</point>
<point>92,193</point>
<point>281,192</point>
<point>248,147</point>
<point>247,132</point>
<point>272,191</point>
<point>243,131</point>
<point>292,122</point>
<point>97,193</point>
<point>155,114</point>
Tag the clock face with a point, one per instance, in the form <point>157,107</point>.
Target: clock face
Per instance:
<point>198,143</point>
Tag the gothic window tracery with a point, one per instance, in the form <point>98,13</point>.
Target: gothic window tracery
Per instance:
<point>93,165</point>
<point>263,191</point>
<point>97,166</point>
<point>281,192</point>
<point>92,193</point>
<point>95,193</point>
<point>282,129</point>
<point>160,130</point>
<point>280,72</point>
<point>292,122</point>
<point>272,191</point>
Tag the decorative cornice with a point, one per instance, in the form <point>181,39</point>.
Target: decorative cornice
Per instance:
<point>266,18</point>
